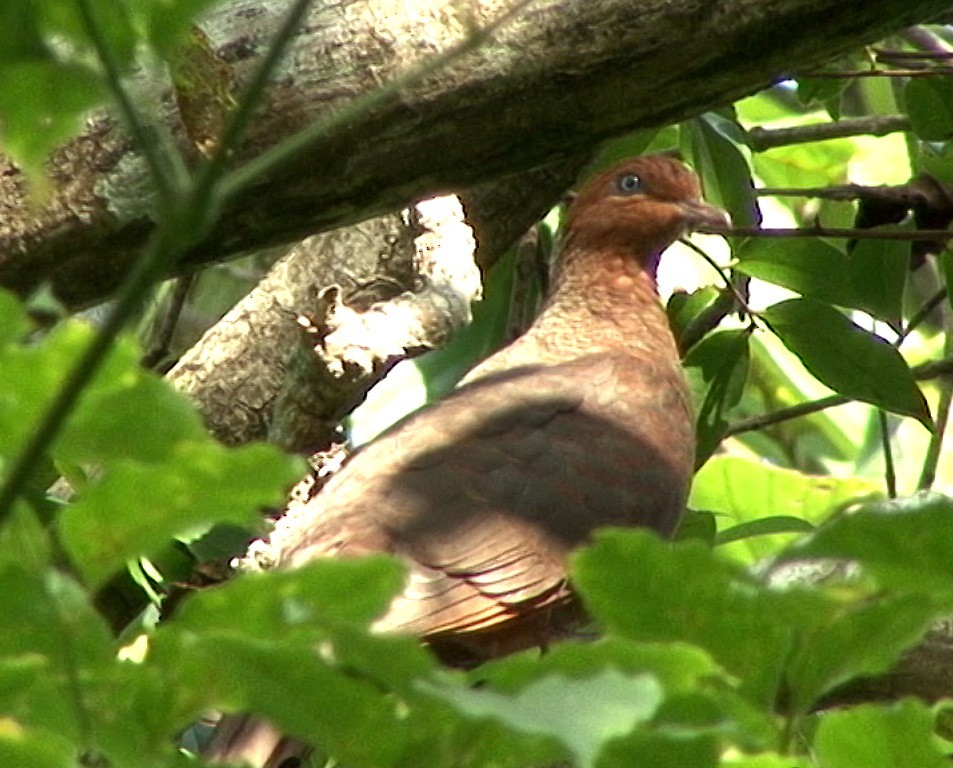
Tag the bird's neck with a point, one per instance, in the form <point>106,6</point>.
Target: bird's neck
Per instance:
<point>605,298</point>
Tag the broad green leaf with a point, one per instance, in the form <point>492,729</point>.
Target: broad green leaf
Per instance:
<point>847,358</point>
<point>878,274</point>
<point>929,104</point>
<point>814,268</point>
<point>284,603</point>
<point>168,23</point>
<point>293,686</point>
<point>904,543</point>
<point>714,141</point>
<point>878,736</point>
<point>680,668</point>
<point>57,637</point>
<point>42,103</point>
<point>21,37</point>
<point>766,760</point>
<point>655,749</point>
<point>605,706</point>
<point>863,640</point>
<point>651,591</point>
<point>13,320</point>
<point>135,508</point>
<point>721,359</point>
<point>683,309</point>
<point>742,492</point>
<point>134,416</point>
<point>28,748</point>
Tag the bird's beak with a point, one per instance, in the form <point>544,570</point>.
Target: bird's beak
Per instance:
<point>700,215</point>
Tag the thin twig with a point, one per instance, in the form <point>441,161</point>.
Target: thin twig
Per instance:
<point>922,372</point>
<point>929,41</point>
<point>922,314</point>
<point>857,234</point>
<point>851,73</point>
<point>761,139</point>
<point>890,471</point>
<point>891,56</point>
<point>931,459</point>
<point>785,414</point>
<point>167,323</point>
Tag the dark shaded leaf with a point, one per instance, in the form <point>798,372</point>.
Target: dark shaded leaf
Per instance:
<point>847,358</point>
<point>722,359</point>
<point>929,104</point>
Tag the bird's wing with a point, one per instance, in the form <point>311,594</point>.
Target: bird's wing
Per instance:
<point>486,492</point>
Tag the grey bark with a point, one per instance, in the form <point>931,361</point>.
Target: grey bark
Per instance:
<point>556,80</point>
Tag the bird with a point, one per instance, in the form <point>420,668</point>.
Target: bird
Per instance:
<point>583,422</point>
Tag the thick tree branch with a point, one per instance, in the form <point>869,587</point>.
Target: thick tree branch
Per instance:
<point>560,78</point>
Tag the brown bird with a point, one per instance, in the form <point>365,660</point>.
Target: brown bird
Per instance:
<point>583,422</point>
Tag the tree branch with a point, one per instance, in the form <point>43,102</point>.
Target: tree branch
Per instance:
<point>564,75</point>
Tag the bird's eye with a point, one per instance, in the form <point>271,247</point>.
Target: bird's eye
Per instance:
<point>629,184</point>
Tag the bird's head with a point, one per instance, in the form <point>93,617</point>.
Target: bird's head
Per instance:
<point>640,207</point>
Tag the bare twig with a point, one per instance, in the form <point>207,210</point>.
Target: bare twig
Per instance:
<point>850,73</point>
<point>890,471</point>
<point>923,372</point>
<point>856,234</point>
<point>930,42</point>
<point>931,459</point>
<point>167,323</point>
<point>761,139</point>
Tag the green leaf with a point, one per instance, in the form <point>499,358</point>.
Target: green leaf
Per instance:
<point>13,320</point>
<point>876,736</point>
<point>651,591</point>
<point>847,358</point>
<point>284,603</point>
<point>904,543</point>
<point>929,104</point>
<point>35,748</point>
<point>743,493</point>
<point>57,639</point>
<point>130,416</point>
<point>168,23</point>
<point>878,273</point>
<point>647,749</point>
<point>814,268</point>
<point>135,508</point>
<point>863,640</point>
<point>606,705</point>
<point>684,309</point>
<point>42,103</point>
<point>721,359</point>
<point>714,143</point>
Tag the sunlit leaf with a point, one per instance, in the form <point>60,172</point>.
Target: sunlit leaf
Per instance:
<point>904,543</point>
<point>878,736</point>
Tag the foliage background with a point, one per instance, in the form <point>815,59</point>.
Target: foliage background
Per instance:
<point>712,654</point>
